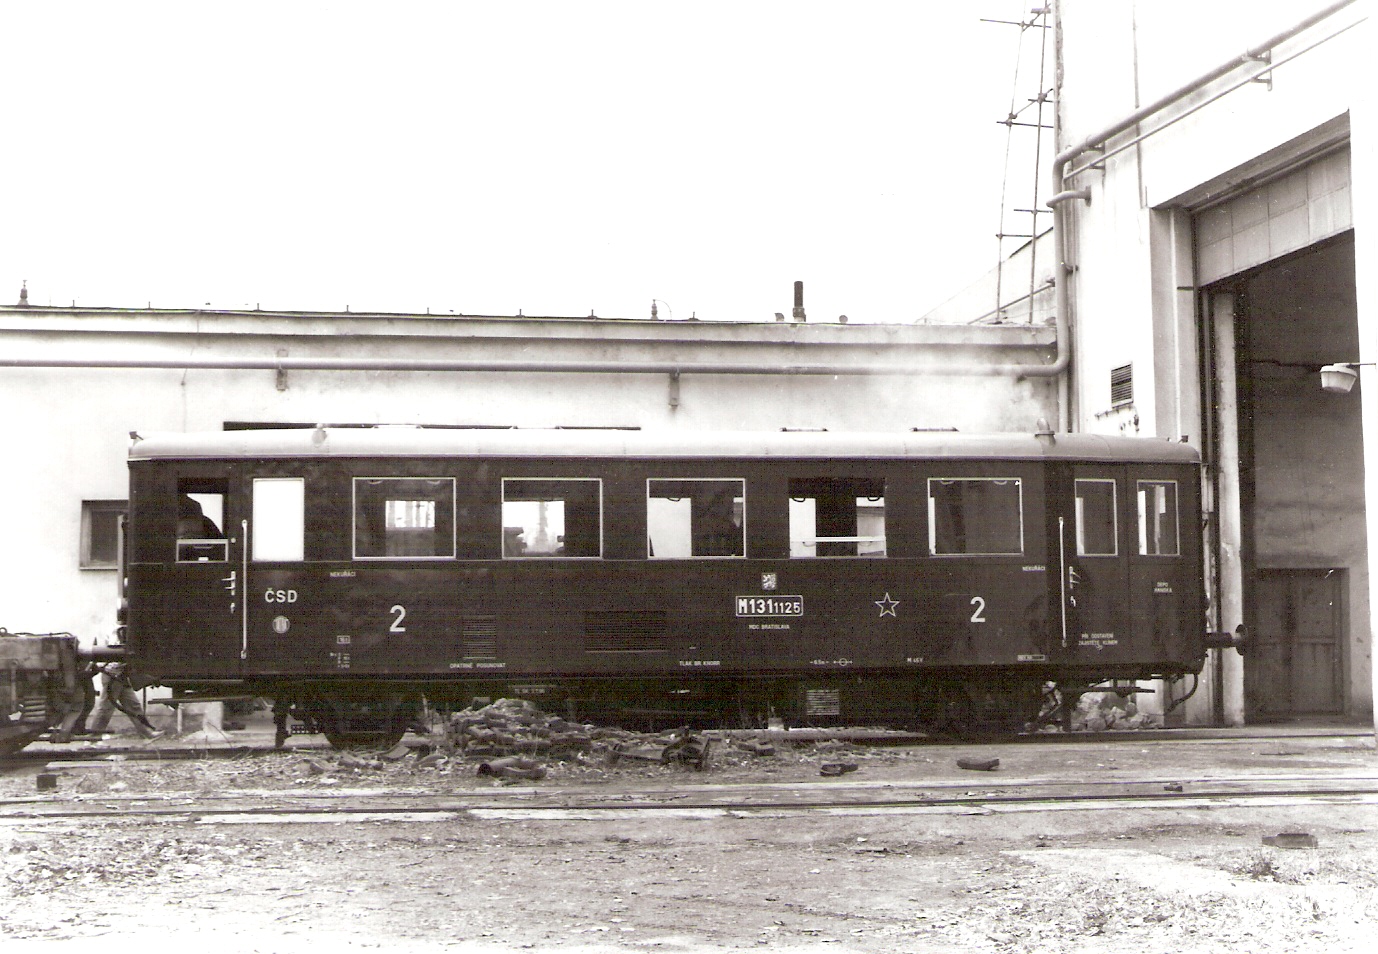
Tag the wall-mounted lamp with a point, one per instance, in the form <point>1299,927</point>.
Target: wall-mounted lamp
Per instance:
<point>1340,378</point>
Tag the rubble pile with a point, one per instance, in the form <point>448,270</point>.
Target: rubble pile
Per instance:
<point>507,741</point>
<point>513,739</point>
<point>516,727</point>
<point>512,735</point>
<point>1104,711</point>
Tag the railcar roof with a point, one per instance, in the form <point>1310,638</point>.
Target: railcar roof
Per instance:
<point>391,441</point>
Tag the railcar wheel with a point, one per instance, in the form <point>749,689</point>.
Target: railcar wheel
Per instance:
<point>968,709</point>
<point>354,723</point>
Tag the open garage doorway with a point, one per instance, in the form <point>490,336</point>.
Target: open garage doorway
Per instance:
<point>1303,547</point>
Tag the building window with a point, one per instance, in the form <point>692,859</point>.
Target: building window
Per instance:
<point>404,518</point>
<point>1096,526</point>
<point>552,517</point>
<point>1158,518</point>
<point>831,516</point>
<point>695,518</point>
<point>100,533</point>
<point>975,516</point>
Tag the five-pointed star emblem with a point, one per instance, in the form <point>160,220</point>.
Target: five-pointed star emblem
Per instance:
<point>887,605</point>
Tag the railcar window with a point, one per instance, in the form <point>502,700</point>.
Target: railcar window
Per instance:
<point>836,517</point>
<point>1096,524</point>
<point>975,516</point>
<point>695,518</point>
<point>552,517</point>
<point>404,518</point>
<point>1158,534</point>
<point>279,514</point>
<point>200,519</point>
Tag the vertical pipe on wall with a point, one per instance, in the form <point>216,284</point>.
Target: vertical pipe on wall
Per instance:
<point>1228,513</point>
<point>1363,125</point>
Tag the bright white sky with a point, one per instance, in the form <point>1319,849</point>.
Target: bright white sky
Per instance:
<point>553,157</point>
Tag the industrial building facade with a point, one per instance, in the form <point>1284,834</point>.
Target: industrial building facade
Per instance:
<point>1211,213</point>
<point>79,381</point>
<point>1213,191</point>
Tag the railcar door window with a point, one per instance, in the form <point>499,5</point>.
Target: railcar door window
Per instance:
<point>695,518</point>
<point>404,518</point>
<point>1158,518</point>
<point>1097,534</point>
<point>552,517</point>
<point>279,509</point>
<point>200,517</point>
<point>836,517</point>
<point>975,516</point>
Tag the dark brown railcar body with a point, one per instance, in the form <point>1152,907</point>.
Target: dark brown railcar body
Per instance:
<point>853,577</point>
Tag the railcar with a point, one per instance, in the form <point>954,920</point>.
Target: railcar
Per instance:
<point>929,578</point>
<point>40,687</point>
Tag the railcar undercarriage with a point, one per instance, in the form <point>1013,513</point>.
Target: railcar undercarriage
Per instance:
<point>376,714</point>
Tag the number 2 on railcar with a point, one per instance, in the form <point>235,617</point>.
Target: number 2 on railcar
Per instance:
<point>683,578</point>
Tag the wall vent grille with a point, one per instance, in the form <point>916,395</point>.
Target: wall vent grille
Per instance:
<point>626,631</point>
<point>1122,385</point>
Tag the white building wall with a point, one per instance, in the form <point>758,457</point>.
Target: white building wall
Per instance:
<point>69,427</point>
<point>1130,253</point>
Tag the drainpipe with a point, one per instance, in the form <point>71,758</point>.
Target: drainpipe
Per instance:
<point>672,369</point>
<point>1254,55</point>
<point>557,367</point>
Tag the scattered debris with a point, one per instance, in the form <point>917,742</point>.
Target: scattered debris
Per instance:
<point>513,766</point>
<point>756,747</point>
<point>678,746</point>
<point>351,761</point>
<point>979,765</point>
<point>397,753</point>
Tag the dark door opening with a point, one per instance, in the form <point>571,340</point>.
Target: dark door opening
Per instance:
<point>1294,664</point>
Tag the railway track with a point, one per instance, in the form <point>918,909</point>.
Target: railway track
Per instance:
<point>232,748</point>
<point>696,801</point>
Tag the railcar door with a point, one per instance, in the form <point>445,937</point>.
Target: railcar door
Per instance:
<point>277,599</point>
<point>184,585</point>
<point>1089,563</point>
<point>1124,592</point>
<point>1165,583</point>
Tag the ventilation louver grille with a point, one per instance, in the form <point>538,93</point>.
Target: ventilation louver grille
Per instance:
<point>822,702</point>
<point>479,637</point>
<point>632,631</point>
<point>1122,385</point>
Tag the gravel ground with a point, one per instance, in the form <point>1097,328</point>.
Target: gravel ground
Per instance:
<point>972,880</point>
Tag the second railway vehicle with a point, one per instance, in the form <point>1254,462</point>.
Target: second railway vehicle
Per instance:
<point>928,578</point>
